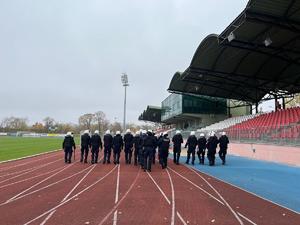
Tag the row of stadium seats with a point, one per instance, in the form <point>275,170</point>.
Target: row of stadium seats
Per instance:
<point>227,123</point>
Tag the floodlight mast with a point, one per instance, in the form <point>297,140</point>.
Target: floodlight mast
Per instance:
<point>124,79</point>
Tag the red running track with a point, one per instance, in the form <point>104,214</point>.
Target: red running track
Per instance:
<point>45,190</point>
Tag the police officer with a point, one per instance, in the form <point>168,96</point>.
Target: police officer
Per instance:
<point>223,144</point>
<point>85,145</point>
<point>201,148</point>
<point>211,145</point>
<point>68,145</point>
<point>177,141</point>
<point>159,141</point>
<point>128,142</point>
<point>137,145</point>
<point>96,143</point>
<point>192,144</point>
<point>142,152</point>
<point>154,148</point>
<point>117,146</point>
<point>108,144</point>
<point>149,143</point>
<point>164,144</point>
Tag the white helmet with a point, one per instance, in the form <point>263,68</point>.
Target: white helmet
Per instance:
<point>86,131</point>
<point>178,132</point>
<point>223,133</point>
<point>137,133</point>
<point>128,131</point>
<point>144,131</point>
<point>118,132</point>
<point>165,133</point>
<point>193,132</point>
<point>212,134</point>
<point>150,131</point>
<point>107,132</point>
<point>202,135</point>
<point>96,131</point>
<point>69,133</point>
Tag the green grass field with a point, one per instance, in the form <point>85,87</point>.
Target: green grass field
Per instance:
<point>16,147</point>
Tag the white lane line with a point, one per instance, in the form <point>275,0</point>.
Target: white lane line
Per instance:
<point>161,191</point>
<point>173,199</point>
<point>26,157</point>
<point>22,172</point>
<point>79,182</point>
<point>197,186</point>
<point>71,198</point>
<point>118,184</point>
<point>38,183</point>
<point>220,196</point>
<point>27,179</point>
<point>181,219</point>
<point>50,185</point>
<point>245,218</point>
<point>115,217</point>
<point>121,200</point>
<point>47,218</point>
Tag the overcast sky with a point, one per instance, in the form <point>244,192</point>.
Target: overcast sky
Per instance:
<point>64,58</point>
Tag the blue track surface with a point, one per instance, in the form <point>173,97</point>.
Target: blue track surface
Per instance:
<point>276,182</point>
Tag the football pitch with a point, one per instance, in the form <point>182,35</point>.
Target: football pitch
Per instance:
<point>16,147</point>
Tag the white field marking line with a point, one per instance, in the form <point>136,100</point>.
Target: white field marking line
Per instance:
<point>118,184</point>
<point>197,186</point>
<point>121,200</point>
<point>30,156</point>
<point>65,198</point>
<point>36,184</point>
<point>31,170</point>
<point>161,191</point>
<point>115,217</point>
<point>66,178</point>
<point>71,198</point>
<point>245,218</point>
<point>47,218</point>
<point>42,174</point>
<point>181,219</point>
<point>249,192</point>
<point>173,199</point>
<point>76,185</point>
<point>220,196</point>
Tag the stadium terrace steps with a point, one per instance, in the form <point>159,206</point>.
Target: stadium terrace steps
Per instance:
<point>227,123</point>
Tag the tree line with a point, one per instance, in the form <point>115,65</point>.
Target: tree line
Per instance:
<point>88,121</point>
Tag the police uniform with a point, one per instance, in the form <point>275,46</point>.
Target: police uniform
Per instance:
<point>108,144</point>
<point>177,141</point>
<point>68,145</point>
<point>211,145</point>
<point>96,143</point>
<point>117,146</point>
<point>223,144</point>
<point>192,144</point>
<point>148,144</point>
<point>201,149</point>
<point>164,144</point>
<point>85,145</point>
<point>128,142</point>
<point>136,144</point>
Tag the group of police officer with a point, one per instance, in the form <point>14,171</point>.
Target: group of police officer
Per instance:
<point>143,146</point>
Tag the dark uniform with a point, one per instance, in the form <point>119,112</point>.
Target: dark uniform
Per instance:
<point>177,141</point>
<point>159,141</point>
<point>137,145</point>
<point>192,144</point>
<point>148,144</point>
<point>85,145</point>
<point>68,145</point>
<point>96,143</point>
<point>164,144</point>
<point>201,149</point>
<point>128,142</point>
<point>117,146</point>
<point>154,148</point>
<point>108,144</point>
<point>211,145</point>
<point>223,144</point>
<point>142,150</point>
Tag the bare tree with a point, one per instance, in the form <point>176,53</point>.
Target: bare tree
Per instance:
<point>49,123</point>
<point>86,120</point>
<point>14,124</point>
<point>115,127</point>
<point>101,121</point>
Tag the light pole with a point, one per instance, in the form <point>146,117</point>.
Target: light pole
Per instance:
<point>124,79</point>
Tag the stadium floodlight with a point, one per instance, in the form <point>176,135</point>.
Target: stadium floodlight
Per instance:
<point>124,79</point>
<point>268,41</point>
<point>231,37</point>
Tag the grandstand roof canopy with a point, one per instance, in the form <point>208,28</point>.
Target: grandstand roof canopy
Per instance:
<point>151,114</point>
<point>256,55</point>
